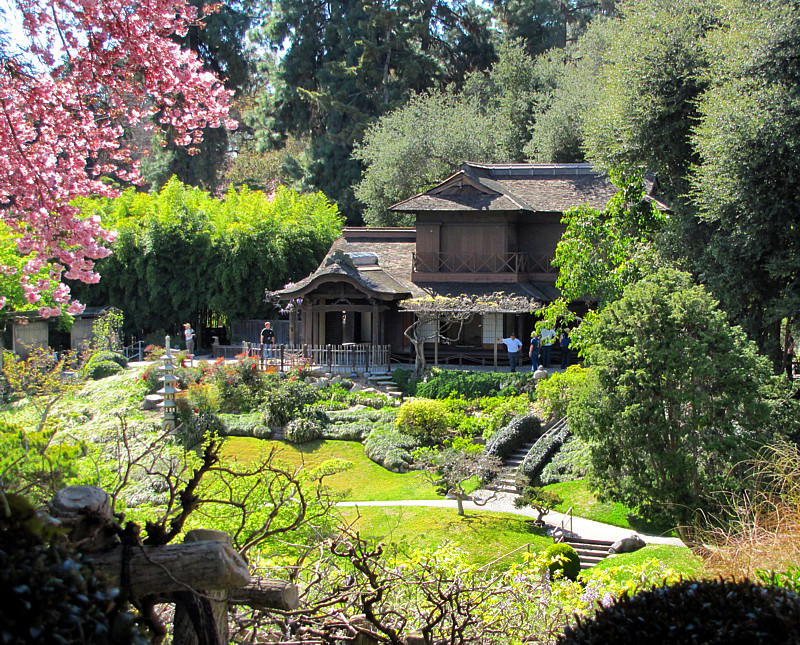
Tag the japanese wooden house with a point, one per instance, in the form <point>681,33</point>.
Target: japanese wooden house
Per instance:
<point>488,228</point>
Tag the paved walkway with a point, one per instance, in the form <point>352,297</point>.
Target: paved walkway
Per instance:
<point>504,503</point>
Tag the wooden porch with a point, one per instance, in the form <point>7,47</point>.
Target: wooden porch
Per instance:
<point>336,359</point>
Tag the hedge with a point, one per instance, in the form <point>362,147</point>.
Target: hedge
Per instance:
<point>101,369</point>
<point>520,431</point>
<point>441,384</point>
<point>244,425</point>
<point>542,452</point>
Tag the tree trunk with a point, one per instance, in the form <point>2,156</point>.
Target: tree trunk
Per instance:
<point>460,505</point>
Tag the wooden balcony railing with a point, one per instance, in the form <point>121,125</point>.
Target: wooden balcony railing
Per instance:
<point>437,262</point>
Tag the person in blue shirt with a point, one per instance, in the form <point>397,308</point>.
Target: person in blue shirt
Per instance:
<point>513,344</point>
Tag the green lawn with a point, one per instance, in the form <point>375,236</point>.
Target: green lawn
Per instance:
<point>365,482</point>
<point>483,536</point>
<point>677,558</point>
<point>585,504</point>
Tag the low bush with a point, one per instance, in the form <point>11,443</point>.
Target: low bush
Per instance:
<point>565,559</point>
<point>406,381</point>
<point>365,415</point>
<point>519,431</point>
<point>192,427</point>
<point>554,393</point>
<point>426,420</point>
<point>244,425</point>
<point>498,411</point>
<point>391,448</point>
<point>285,400</point>
<point>542,452</point>
<point>95,370</point>
<point>348,431</point>
<point>303,430</point>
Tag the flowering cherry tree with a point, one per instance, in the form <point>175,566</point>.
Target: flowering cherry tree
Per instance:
<point>64,123</point>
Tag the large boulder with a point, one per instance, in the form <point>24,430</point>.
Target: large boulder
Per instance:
<point>627,545</point>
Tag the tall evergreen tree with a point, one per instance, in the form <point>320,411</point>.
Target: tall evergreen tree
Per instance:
<point>348,61</point>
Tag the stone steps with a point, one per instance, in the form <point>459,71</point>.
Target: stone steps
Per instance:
<point>590,551</point>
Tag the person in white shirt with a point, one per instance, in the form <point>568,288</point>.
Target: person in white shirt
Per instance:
<point>513,344</point>
<point>188,334</point>
<point>548,340</point>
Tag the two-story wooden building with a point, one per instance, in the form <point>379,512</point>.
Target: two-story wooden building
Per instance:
<point>488,228</point>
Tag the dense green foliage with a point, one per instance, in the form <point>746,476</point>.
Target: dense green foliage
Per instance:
<point>441,384</point>
<point>49,594</point>
<point>553,394</point>
<point>182,253</point>
<point>97,369</point>
<point>677,399</point>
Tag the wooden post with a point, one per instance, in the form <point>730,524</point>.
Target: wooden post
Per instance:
<point>495,355</point>
<point>436,344</point>
<point>201,617</point>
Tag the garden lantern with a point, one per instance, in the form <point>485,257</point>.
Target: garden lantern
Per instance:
<point>168,390</point>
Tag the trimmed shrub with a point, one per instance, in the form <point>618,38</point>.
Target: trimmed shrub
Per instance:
<point>542,452</point>
<point>390,448</point>
<point>106,355</point>
<point>428,421</point>
<point>348,431</point>
<point>694,611</point>
<point>366,415</point>
<point>521,430</point>
<point>244,425</point>
<point>303,430</point>
<point>569,463</point>
<point>563,558</point>
<point>96,370</point>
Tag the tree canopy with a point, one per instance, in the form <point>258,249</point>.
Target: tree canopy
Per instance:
<point>64,121</point>
<point>676,399</point>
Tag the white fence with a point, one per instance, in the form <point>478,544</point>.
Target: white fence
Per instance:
<point>341,359</point>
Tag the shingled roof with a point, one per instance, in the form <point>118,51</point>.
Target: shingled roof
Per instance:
<point>551,188</point>
<point>377,259</point>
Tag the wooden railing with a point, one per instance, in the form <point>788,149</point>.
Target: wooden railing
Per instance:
<point>350,357</point>
<point>438,262</point>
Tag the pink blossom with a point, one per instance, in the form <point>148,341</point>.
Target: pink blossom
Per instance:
<point>56,126</point>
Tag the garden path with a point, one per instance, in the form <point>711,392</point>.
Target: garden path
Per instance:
<point>504,503</point>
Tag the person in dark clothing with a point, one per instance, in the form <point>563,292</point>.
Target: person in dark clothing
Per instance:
<point>564,349</point>
<point>268,338</point>
<point>533,352</point>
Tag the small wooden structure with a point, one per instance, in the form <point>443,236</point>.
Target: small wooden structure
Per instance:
<point>202,576</point>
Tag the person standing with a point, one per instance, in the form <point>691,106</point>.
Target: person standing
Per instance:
<point>565,340</point>
<point>548,340</point>
<point>513,344</point>
<point>188,334</point>
<point>268,338</point>
<point>533,352</point>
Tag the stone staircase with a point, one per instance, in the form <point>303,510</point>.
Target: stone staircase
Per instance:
<point>590,551</point>
<point>505,482</point>
<point>383,382</point>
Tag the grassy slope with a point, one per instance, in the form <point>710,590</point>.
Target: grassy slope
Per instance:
<point>678,558</point>
<point>483,536</point>
<point>585,504</point>
<point>365,482</point>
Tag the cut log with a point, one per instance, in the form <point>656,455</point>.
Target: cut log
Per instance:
<point>176,567</point>
<point>265,594</point>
